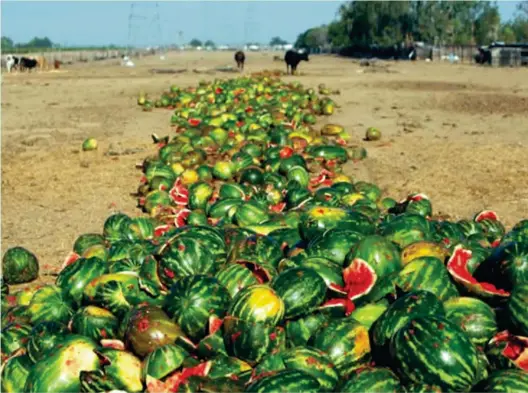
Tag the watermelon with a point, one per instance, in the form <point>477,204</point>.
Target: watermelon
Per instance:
<point>517,308</point>
<point>312,362</point>
<point>73,278</point>
<point>163,361</point>
<point>474,316</point>
<point>258,303</point>
<point>346,342</point>
<point>192,300</point>
<point>95,322</point>
<point>49,305</point>
<point>44,337</point>
<point>427,273</point>
<point>457,266</point>
<point>149,327</point>
<point>124,369</point>
<point>19,265</point>
<point>251,341</point>
<point>14,374</point>
<point>301,290</point>
<point>432,350</point>
<point>414,304</point>
<point>372,379</point>
<point>14,336</point>
<point>85,241</point>
<point>60,371</point>
<point>506,350</point>
<point>285,381</point>
<point>423,249</point>
<point>333,244</point>
<point>184,256</point>
<point>507,381</point>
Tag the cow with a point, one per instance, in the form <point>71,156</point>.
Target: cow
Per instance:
<point>27,63</point>
<point>11,62</point>
<point>240,58</point>
<point>293,59</point>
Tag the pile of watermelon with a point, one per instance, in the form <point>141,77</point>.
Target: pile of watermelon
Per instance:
<point>259,266</point>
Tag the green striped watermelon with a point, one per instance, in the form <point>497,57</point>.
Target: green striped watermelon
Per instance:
<point>506,381</point>
<point>474,316</point>
<point>237,276</point>
<point>372,380</point>
<point>60,371</point>
<point>258,303</point>
<point>192,300</point>
<point>432,350</point>
<point>44,337</point>
<point>73,278</point>
<point>14,336</point>
<point>285,381</point>
<point>301,289</point>
<point>312,362</point>
<point>19,265</point>
<point>48,304</point>
<point>123,368</point>
<point>413,304</point>
<point>163,361</point>
<point>87,240</point>
<point>252,341</point>
<point>14,374</point>
<point>346,342</point>
<point>184,256</point>
<point>506,350</point>
<point>95,322</point>
<point>333,244</point>
<point>299,331</point>
<point>428,273</point>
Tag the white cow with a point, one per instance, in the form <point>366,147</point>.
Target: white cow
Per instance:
<point>11,62</point>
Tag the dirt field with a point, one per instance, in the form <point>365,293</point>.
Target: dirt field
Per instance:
<point>457,133</point>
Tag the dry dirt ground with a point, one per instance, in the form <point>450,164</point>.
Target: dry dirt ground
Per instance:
<point>458,133</point>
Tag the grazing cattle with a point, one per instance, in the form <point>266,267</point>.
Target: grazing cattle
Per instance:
<point>240,58</point>
<point>11,62</point>
<point>27,63</point>
<point>42,63</point>
<point>293,59</point>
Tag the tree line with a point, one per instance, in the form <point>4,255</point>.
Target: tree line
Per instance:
<point>389,23</point>
<point>39,44</point>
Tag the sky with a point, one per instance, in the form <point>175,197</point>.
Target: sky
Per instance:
<point>82,23</point>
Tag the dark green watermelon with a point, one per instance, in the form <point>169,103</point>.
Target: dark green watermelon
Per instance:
<point>19,266</point>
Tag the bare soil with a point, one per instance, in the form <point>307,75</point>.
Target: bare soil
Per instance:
<point>457,133</point>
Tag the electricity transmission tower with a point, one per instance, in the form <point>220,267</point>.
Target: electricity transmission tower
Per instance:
<point>249,23</point>
<point>153,30</point>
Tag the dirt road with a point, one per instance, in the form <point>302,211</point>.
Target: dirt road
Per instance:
<point>457,133</point>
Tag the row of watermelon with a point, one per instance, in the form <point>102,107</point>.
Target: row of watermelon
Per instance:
<point>262,267</point>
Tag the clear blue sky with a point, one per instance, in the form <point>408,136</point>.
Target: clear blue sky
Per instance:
<point>231,22</point>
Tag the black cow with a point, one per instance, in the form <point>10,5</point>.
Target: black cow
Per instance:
<point>293,59</point>
<point>240,58</point>
<point>27,63</point>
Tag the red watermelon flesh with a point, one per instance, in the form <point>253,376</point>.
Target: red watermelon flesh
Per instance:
<point>347,305</point>
<point>173,382</point>
<point>487,215</point>
<point>259,272</point>
<point>516,348</point>
<point>215,324</point>
<point>457,267</point>
<point>359,279</point>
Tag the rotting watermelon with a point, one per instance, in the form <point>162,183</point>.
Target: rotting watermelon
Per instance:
<point>19,265</point>
<point>457,267</point>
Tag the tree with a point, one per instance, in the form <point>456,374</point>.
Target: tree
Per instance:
<point>507,34</point>
<point>487,25</point>
<point>195,43</point>
<point>7,43</point>
<point>277,41</point>
<point>37,42</point>
<point>209,43</point>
